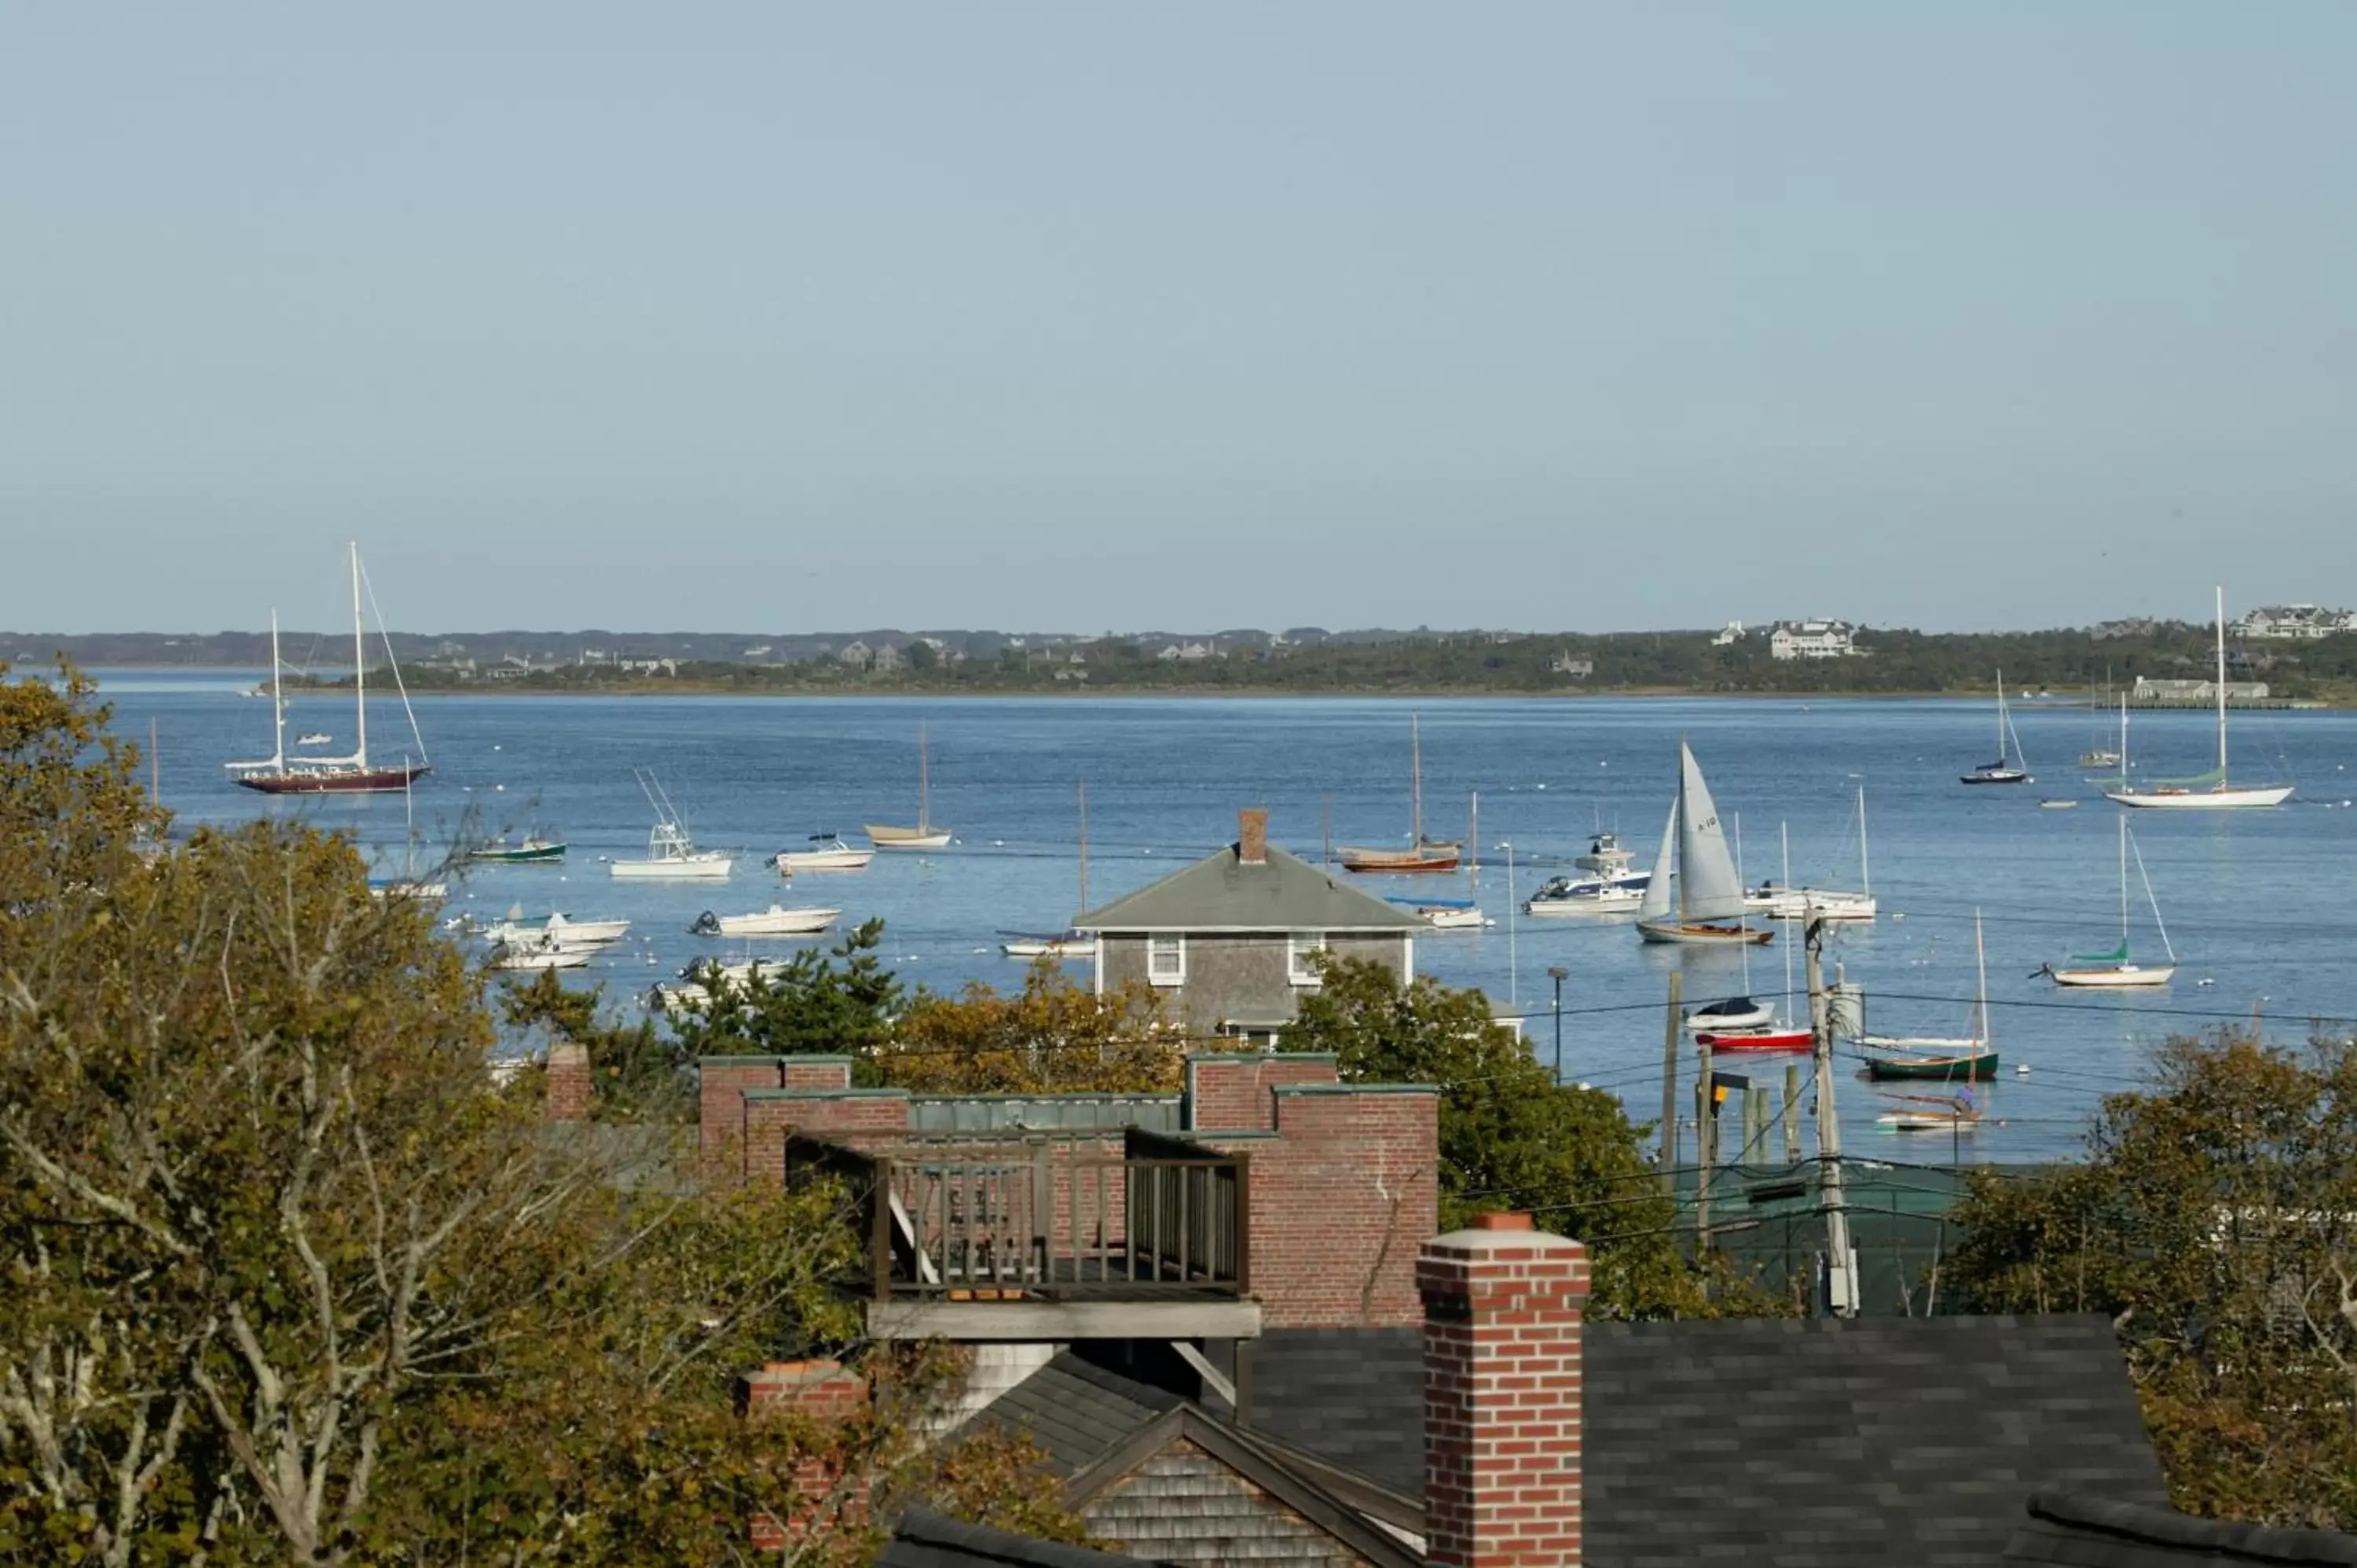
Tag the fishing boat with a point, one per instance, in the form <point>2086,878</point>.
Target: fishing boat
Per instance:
<point>314,738</point>
<point>1067,944</point>
<point>671,855</point>
<point>1423,854</point>
<point>557,928</point>
<point>2114,970</point>
<point>827,852</point>
<point>1729,1014</point>
<point>1783,901</point>
<point>2002,771</point>
<point>1447,914</point>
<point>2208,791</point>
<point>1970,1060</point>
<point>773,921</point>
<point>526,852</point>
<point>528,958</point>
<point>1696,900</point>
<point>924,835</point>
<point>279,774</point>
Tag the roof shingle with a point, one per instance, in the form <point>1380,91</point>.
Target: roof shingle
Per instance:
<point>1222,893</point>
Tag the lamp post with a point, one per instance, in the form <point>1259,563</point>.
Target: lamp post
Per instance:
<point>1557,973</point>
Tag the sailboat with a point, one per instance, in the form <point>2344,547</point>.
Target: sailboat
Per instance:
<point>279,774</point>
<point>2002,771</point>
<point>2113,970</point>
<point>2208,791</point>
<point>1693,904</point>
<point>1971,1059</point>
<point>1783,901</point>
<point>2101,754</point>
<point>924,835</point>
<point>407,885</point>
<point>1423,853</point>
<point>1068,944</point>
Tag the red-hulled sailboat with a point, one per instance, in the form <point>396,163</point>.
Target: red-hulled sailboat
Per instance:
<point>279,774</point>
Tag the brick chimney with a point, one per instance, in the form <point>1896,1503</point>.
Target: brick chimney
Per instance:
<point>824,1391</point>
<point>569,1081</point>
<point>1252,835</point>
<point>1503,1304</point>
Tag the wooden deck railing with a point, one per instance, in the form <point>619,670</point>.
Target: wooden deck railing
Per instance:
<point>1027,1219</point>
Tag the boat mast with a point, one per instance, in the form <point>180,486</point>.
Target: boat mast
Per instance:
<point>1980,961</point>
<point>2124,740</point>
<point>1416,777</point>
<point>2001,718</point>
<point>1473,837</point>
<point>2124,883</point>
<point>924,785</point>
<point>360,667</point>
<point>278,701</point>
<point>2221,705</point>
<point>1085,844</point>
<point>1865,876</point>
<point>1681,832</point>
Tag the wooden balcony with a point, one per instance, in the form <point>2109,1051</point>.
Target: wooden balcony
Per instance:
<point>1029,1238</point>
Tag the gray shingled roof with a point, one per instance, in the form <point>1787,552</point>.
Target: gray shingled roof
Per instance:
<point>925,1539</point>
<point>1897,1441</point>
<point>1076,1411</point>
<point>1221,892</point>
<point>2093,1532</point>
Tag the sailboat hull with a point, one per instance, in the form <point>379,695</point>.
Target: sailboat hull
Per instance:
<point>906,838</point>
<point>320,781</point>
<point>2116,977</point>
<point>1759,1041</point>
<point>1669,933</point>
<point>1431,857</point>
<point>1948,1070</point>
<point>1994,776</point>
<point>2200,799</point>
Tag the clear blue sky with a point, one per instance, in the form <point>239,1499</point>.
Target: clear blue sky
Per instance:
<point>774,317</point>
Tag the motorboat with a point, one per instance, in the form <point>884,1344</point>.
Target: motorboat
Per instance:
<point>538,958</point>
<point>1584,895</point>
<point>1447,914</point>
<point>1728,1013</point>
<point>524,852</point>
<point>774,921</point>
<point>1073,945</point>
<point>559,929</point>
<point>827,852</point>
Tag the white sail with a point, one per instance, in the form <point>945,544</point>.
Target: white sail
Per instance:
<point>1656,906</point>
<point>1708,886</point>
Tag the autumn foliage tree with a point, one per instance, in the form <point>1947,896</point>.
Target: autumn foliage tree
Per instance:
<point>1054,1037</point>
<point>2214,1218</point>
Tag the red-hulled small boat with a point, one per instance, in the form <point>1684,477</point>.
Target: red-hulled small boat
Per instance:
<point>1786,1040</point>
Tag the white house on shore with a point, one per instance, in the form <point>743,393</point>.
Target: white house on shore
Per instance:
<point>2284,623</point>
<point>1813,639</point>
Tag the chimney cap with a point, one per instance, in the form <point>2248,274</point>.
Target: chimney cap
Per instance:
<point>1502,1221</point>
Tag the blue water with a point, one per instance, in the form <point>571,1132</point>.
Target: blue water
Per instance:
<point>2255,902</point>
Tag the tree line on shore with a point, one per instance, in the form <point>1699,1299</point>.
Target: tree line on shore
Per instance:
<point>291,1272</point>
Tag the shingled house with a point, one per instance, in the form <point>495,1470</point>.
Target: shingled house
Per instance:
<point>1232,940</point>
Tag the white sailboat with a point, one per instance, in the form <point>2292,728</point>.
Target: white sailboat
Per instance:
<point>2208,791</point>
<point>671,855</point>
<point>924,835</point>
<point>1067,944</point>
<point>1783,901</point>
<point>1700,903</point>
<point>2113,970</point>
<point>2002,771</point>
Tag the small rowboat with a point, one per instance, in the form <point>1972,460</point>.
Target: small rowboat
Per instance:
<point>1922,1113</point>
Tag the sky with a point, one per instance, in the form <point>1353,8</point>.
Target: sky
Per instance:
<point>784,317</point>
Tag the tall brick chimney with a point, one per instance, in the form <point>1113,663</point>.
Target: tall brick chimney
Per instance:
<point>1503,1304</point>
<point>1252,835</point>
<point>569,1081</point>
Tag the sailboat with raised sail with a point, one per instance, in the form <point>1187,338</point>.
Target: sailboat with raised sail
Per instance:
<point>1700,901</point>
<point>2002,771</point>
<point>2208,791</point>
<point>1423,853</point>
<point>2114,970</point>
<point>279,774</point>
<point>924,835</point>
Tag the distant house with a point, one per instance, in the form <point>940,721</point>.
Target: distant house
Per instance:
<point>759,650</point>
<point>856,655</point>
<point>2284,623</point>
<point>649,666</point>
<point>1578,669</point>
<point>1813,639</point>
<point>888,658</point>
<point>1232,941</point>
<point>1069,674</point>
<point>2148,689</point>
<point>2133,626</point>
<point>1729,635</point>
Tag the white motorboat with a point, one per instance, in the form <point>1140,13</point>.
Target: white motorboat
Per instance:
<point>2208,791</point>
<point>1612,886</point>
<point>1783,901</point>
<point>1610,863</point>
<point>559,929</point>
<point>1447,914</point>
<point>924,835</point>
<point>1065,947</point>
<point>316,737</point>
<point>2113,970</point>
<point>671,855</point>
<point>402,887</point>
<point>827,852</point>
<point>773,921</point>
<point>523,956</point>
<point>1698,900</point>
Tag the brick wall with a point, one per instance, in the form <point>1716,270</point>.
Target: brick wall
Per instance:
<point>721,1084</point>
<point>824,1391</point>
<point>1503,1305</point>
<point>1228,1091</point>
<point>1340,1197</point>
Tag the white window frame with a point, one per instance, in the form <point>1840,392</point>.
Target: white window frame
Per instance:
<point>1298,946</point>
<point>1154,940</point>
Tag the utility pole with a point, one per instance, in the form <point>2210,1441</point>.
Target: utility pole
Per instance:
<point>1669,1158</point>
<point>1557,973</point>
<point>1791,1113</point>
<point>1840,1292</point>
<point>1706,1142</point>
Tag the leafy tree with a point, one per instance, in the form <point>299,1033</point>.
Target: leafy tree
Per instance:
<point>1513,1138</point>
<point>640,1074</point>
<point>1053,1037</point>
<point>2215,1219</point>
<point>840,1002</point>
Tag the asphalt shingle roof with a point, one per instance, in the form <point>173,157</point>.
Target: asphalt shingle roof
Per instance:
<point>1821,1442</point>
<point>926,1540</point>
<point>1221,892</point>
<point>2089,1533</point>
<point>1076,1410</point>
